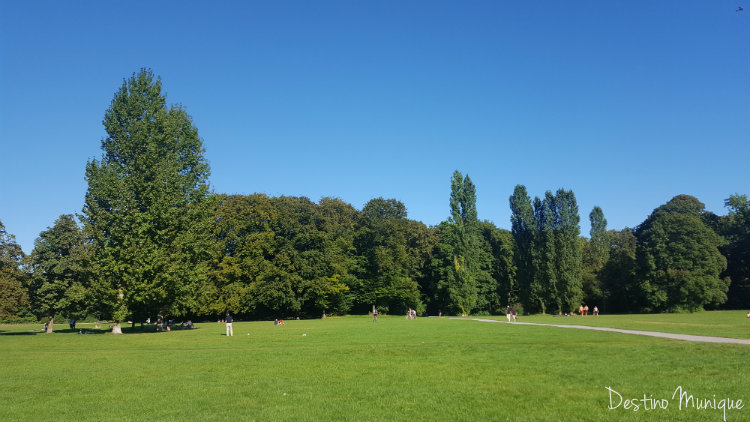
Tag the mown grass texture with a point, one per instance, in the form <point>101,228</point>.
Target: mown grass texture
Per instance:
<point>351,369</point>
<point>732,324</point>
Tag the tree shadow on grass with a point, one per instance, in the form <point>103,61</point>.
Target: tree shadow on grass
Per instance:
<point>65,331</point>
<point>104,329</point>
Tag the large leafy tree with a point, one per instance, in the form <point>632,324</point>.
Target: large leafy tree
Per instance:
<point>276,257</point>
<point>146,205</point>
<point>735,228</point>
<point>244,244</point>
<point>387,275</point>
<point>679,263</point>
<point>13,293</point>
<point>618,274</point>
<point>329,291</point>
<point>60,265</point>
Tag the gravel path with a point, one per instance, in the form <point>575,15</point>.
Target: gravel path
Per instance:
<point>685,337</point>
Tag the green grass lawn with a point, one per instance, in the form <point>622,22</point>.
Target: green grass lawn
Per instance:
<point>734,324</point>
<point>351,369</point>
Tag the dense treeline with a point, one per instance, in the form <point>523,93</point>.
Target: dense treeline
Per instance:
<point>153,240</point>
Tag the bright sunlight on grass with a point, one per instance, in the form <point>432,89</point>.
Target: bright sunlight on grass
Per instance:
<point>351,369</point>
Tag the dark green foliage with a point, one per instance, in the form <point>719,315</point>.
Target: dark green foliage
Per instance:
<point>678,258</point>
<point>735,228</point>
<point>543,254</point>
<point>567,250</point>
<point>599,239</point>
<point>524,229</point>
<point>61,264</point>
<point>388,272</point>
<point>463,262</point>
<point>502,290</point>
<point>146,205</point>
<point>618,274</point>
<point>155,240</point>
<point>595,253</point>
<point>280,257</point>
<point>548,252</point>
<point>13,294</point>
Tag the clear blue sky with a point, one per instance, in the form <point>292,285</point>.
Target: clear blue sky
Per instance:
<point>626,103</point>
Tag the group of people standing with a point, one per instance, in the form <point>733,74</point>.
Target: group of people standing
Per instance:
<point>411,314</point>
<point>511,313</point>
<point>584,310</point>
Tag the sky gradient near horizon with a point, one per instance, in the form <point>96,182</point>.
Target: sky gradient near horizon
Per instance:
<point>627,104</point>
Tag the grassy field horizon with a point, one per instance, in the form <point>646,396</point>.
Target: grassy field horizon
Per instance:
<point>732,324</point>
<point>725,323</point>
<point>349,368</point>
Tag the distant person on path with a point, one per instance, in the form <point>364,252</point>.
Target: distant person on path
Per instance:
<point>230,331</point>
<point>515,314</point>
<point>580,310</point>
<point>596,310</point>
<point>374,314</point>
<point>72,323</point>
<point>586,310</point>
<point>508,313</point>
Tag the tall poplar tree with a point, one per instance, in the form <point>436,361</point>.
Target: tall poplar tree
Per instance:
<point>544,252</point>
<point>146,204</point>
<point>600,238</point>
<point>524,230</point>
<point>595,255</point>
<point>468,265</point>
<point>567,250</point>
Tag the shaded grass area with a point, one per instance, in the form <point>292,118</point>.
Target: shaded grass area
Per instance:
<point>733,324</point>
<point>347,369</point>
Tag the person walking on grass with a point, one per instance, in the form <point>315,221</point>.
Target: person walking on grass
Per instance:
<point>230,331</point>
<point>374,314</point>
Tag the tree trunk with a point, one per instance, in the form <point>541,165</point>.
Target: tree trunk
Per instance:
<point>117,329</point>
<point>50,323</point>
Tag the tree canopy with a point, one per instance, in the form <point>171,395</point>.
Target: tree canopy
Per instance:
<point>146,201</point>
<point>155,240</point>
